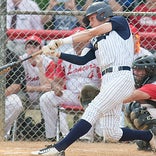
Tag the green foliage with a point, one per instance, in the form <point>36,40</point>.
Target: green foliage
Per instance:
<point>42,3</point>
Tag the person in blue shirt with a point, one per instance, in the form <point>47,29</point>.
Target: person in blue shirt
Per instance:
<point>62,22</point>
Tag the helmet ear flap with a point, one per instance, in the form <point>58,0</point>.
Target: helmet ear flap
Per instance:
<point>100,14</point>
<point>85,20</point>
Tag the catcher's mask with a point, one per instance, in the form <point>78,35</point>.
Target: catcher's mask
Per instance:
<point>102,9</point>
<point>146,63</point>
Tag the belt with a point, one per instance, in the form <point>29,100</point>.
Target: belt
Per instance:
<point>110,69</point>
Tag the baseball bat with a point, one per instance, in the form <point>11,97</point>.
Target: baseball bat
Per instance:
<point>9,66</point>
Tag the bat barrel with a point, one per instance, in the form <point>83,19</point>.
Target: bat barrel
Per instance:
<point>9,65</point>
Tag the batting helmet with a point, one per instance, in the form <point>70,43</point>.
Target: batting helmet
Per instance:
<point>149,64</point>
<point>102,9</point>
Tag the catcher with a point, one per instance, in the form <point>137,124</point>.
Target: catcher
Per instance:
<point>141,112</point>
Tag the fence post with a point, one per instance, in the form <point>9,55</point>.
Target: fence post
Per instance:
<point>3,37</point>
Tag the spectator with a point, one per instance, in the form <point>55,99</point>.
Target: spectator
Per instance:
<point>75,78</point>
<point>15,81</point>
<point>127,5</point>
<point>62,22</point>
<point>113,3</point>
<point>39,71</point>
<point>146,24</point>
<point>22,22</point>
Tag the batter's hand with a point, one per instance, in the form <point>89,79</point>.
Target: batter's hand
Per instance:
<point>48,52</point>
<point>55,44</point>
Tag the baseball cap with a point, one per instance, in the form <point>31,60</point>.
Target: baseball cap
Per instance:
<point>134,30</point>
<point>33,38</point>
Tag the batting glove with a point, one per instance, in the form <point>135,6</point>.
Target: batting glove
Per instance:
<point>49,52</point>
<point>55,44</point>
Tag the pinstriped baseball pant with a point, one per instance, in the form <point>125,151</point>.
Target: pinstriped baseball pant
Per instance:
<point>115,87</point>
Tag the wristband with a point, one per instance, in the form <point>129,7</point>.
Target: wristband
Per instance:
<point>67,40</point>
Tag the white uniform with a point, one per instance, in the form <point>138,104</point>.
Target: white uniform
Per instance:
<point>13,108</point>
<point>76,77</point>
<point>113,51</point>
<point>32,75</point>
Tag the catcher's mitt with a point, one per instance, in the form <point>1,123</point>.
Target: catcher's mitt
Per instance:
<point>87,94</point>
<point>140,119</point>
<point>128,109</point>
<point>138,116</point>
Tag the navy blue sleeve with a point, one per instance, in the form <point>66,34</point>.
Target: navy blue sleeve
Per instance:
<point>79,60</point>
<point>90,46</point>
<point>120,25</point>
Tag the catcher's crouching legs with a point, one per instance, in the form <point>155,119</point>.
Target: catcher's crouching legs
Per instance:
<point>139,118</point>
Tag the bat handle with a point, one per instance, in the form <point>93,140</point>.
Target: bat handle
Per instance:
<point>37,53</point>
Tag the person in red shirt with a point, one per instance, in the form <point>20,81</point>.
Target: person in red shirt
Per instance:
<point>146,24</point>
<point>143,97</point>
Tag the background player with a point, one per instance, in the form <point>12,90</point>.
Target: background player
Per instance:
<point>115,59</point>
<point>38,70</point>
<point>15,81</point>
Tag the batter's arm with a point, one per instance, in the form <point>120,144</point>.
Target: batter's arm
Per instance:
<point>79,60</point>
<point>82,36</point>
<point>86,35</point>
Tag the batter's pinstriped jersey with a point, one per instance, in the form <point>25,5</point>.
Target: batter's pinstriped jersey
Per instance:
<point>114,50</point>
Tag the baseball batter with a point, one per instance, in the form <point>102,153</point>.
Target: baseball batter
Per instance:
<point>112,38</point>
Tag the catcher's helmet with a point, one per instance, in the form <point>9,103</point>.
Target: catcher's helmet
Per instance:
<point>145,62</point>
<point>149,64</point>
<point>102,9</point>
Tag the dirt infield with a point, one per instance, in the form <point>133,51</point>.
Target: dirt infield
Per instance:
<point>77,149</point>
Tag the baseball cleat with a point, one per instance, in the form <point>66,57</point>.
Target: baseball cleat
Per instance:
<point>49,150</point>
<point>143,145</point>
<point>153,140</point>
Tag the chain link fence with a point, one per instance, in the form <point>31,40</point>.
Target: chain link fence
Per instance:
<point>21,115</point>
